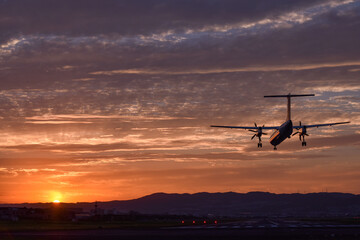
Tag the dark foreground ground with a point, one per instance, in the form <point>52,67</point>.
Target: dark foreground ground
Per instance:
<point>187,234</point>
<point>248,229</point>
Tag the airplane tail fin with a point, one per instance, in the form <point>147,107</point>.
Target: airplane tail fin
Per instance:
<point>289,96</point>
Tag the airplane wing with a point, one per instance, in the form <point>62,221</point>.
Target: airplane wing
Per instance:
<point>319,125</point>
<point>240,127</point>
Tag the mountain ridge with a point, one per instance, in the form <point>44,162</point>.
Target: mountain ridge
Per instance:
<point>226,204</point>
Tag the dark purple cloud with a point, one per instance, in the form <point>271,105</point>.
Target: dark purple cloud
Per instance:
<point>39,59</point>
<point>94,17</point>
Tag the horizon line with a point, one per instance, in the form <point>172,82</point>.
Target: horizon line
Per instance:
<point>300,193</point>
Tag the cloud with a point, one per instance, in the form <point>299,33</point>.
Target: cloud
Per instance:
<point>307,46</point>
<point>132,17</point>
<point>122,93</point>
<point>48,117</point>
<point>234,70</point>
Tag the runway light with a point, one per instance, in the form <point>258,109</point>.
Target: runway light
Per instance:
<point>193,222</point>
<point>215,222</point>
<point>183,222</point>
<point>204,222</point>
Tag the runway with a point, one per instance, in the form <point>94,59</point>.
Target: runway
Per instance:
<point>271,224</point>
<point>256,229</point>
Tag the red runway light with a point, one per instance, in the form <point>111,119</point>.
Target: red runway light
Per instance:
<point>215,222</point>
<point>182,222</point>
<point>193,222</point>
<point>204,222</point>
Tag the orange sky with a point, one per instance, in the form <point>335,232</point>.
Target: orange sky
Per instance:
<point>108,107</point>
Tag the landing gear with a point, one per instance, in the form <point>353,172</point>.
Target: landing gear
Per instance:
<point>303,143</point>
<point>259,143</point>
<point>302,133</point>
<point>275,148</point>
<point>258,133</point>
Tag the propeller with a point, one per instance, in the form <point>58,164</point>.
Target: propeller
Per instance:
<point>301,131</point>
<point>258,132</point>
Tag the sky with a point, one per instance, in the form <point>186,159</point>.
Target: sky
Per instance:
<point>112,100</point>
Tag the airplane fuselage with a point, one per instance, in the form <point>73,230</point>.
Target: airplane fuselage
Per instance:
<point>284,131</point>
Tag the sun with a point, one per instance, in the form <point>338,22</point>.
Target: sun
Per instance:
<point>55,196</point>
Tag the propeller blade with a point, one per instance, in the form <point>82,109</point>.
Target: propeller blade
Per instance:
<point>264,133</point>
<point>255,124</point>
<point>250,130</point>
<point>306,134</point>
<point>299,123</point>
<point>295,133</point>
<point>253,137</point>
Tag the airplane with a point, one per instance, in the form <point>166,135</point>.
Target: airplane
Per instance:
<point>285,130</point>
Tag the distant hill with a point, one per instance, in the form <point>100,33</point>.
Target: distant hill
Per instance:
<point>230,204</point>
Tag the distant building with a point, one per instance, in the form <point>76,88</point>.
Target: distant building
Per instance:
<point>8,213</point>
<point>53,213</point>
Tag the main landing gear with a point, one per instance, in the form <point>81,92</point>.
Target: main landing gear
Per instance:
<point>303,143</point>
<point>302,133</point>
<point>275,147</point>
<point>258,133</point>
<point>259,143</point>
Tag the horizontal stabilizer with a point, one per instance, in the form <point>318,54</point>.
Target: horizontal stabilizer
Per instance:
<point>289,96</point>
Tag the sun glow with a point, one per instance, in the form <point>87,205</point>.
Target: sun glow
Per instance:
<point>56,197</point>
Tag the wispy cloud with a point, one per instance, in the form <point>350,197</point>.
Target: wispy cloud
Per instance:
<point>231,70</point>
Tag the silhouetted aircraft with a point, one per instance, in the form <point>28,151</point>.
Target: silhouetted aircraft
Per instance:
<point>286,129</point>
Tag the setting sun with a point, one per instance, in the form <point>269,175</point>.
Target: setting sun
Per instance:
<point>56,196</point>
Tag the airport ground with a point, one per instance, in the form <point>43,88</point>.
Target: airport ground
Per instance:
<point>248,229</point>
